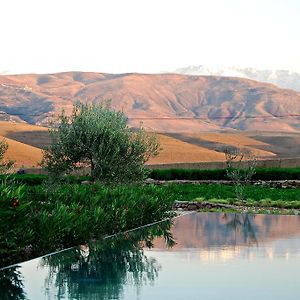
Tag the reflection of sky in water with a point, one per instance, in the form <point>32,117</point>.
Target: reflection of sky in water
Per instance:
<point>251,258</point>
<point>184,276</point>
<point>280,249</point>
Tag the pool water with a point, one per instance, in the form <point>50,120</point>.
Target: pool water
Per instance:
<point>194,256</point>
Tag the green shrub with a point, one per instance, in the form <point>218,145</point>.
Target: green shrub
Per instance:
<point>65,215</point>
<point>277,174</point>
<point>14,218</point>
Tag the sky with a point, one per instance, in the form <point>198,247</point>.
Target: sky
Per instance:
<point>147,36</point>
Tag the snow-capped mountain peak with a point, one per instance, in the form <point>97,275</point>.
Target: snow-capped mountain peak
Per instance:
<point>281,78</point>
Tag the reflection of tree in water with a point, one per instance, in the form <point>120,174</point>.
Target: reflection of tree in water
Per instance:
<point>111,264</point>
<point>242,223</point>
<point>11,285</point>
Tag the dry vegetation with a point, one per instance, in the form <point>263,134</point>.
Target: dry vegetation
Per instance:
<point>220,140</point>
<point>176,151</point>
<point>23,153</point>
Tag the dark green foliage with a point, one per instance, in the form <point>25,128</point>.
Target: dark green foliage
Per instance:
<point>172,174</point>
<point>188,174</point>
<point>27,179</point>
<point>36,220</point>
<point>38,179</point>
<point>111,263</point>
<point>221,174</point>
<point>13,219</point>
<point>277,174</point>
<point>11,285</point>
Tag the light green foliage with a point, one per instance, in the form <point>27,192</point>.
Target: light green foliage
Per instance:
<point>98,137</point>
<point>5,165</point>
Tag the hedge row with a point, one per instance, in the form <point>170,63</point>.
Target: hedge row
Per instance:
<point>220,174</point>
<point>38,179</point>
<point>175,174</point>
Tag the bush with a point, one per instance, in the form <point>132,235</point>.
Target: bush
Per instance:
<point>277,174</point>
<point>14,218</point>
<point>67,215</point>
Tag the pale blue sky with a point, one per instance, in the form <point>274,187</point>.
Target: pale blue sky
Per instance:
<point>118,36</point>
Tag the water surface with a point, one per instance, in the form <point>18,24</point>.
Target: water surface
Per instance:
<point>198,256</point>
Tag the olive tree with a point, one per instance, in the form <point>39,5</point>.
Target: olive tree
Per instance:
<point>98,137</point>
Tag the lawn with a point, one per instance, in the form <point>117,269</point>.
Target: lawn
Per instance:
<point>254,195</point>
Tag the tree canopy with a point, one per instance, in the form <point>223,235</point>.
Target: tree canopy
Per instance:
<point>98,137</point>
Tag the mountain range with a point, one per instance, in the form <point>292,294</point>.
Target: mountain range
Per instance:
<point>162,102</point>
<point>282,78</point>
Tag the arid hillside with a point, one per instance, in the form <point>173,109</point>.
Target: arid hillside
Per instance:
<point>26,141</point>
<point>163,102</point>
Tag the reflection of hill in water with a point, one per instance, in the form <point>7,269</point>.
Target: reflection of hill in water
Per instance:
<point>119,268</point>
<point>208,230</point>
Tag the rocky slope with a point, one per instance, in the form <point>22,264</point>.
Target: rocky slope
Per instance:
<point>162,102</point>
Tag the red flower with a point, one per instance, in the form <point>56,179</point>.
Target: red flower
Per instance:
<point>15,202</point>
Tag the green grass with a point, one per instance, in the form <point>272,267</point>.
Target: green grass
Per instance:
<point>225,194</point>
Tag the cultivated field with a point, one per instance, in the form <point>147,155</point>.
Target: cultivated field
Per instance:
<point>26,141</point>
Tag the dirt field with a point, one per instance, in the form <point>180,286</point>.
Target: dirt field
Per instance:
<point>26,141</point>
<point>22,154</point>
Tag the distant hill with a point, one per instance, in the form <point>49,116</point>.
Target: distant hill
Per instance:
<point>282,78</point>
<point>162,102</point>
<point>26,141</point>
<point>23,142</point>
